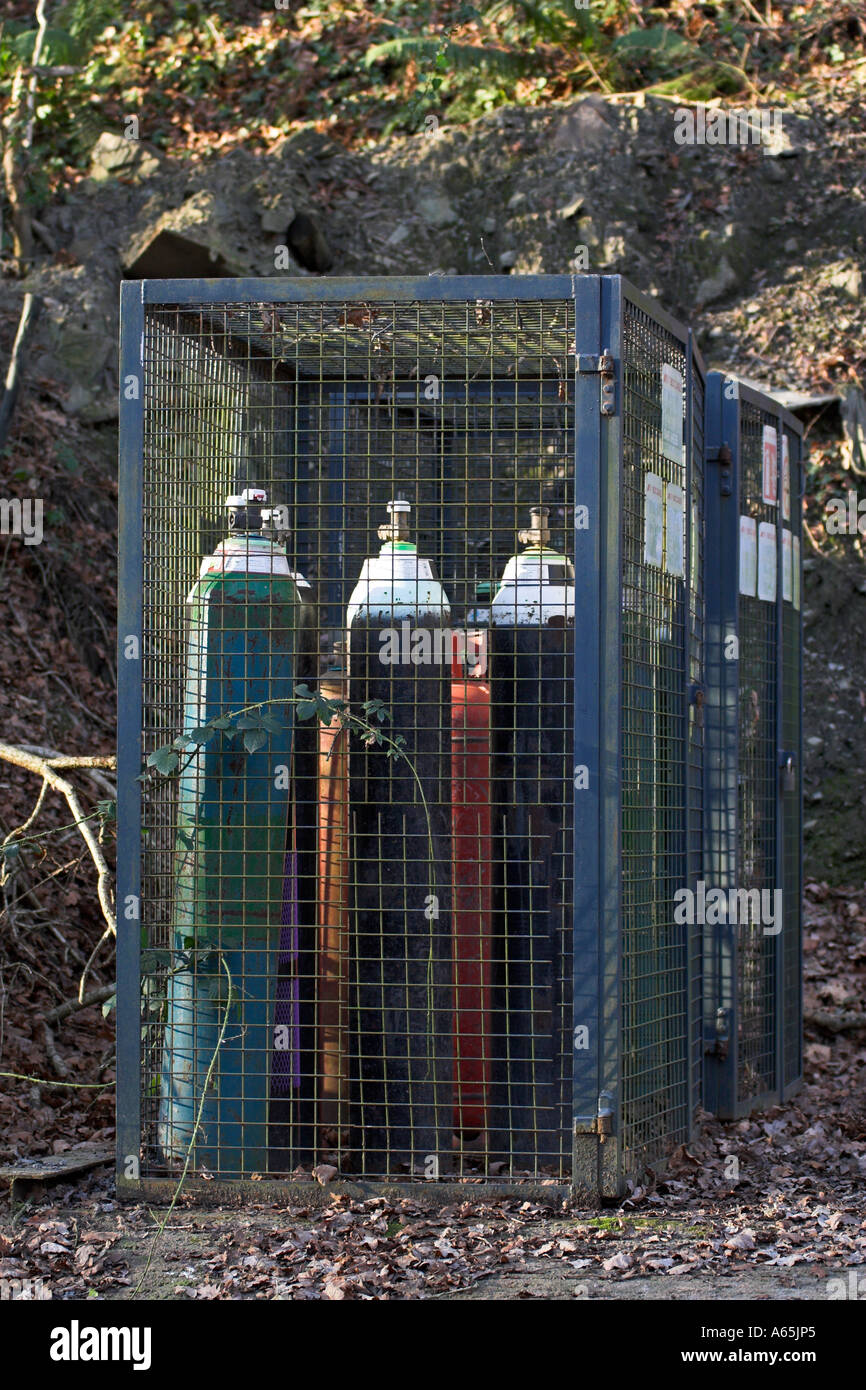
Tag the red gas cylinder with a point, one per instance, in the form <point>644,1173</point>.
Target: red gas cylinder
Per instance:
<point>472,867</point>
<point>332,910</point>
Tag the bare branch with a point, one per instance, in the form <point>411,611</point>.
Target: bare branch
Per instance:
<point>33,85</point>
<point>71,1006</point>
<point>27,322</point>
<point>43,768</point>
<point>90,959</point>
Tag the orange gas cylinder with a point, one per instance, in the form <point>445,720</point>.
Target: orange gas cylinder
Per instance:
<point>333,907</point>
<point>472,853</point>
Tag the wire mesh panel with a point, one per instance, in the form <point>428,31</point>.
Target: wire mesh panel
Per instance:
<point>661,737</point>
<point>758,778</point>
<point>752,941</point>
<point>356,615</point>
<point>791,757</point>
<point>696,708</point>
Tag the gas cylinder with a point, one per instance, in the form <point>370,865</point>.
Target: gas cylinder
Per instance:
<point>291,1128</point>
<point>472,900</point>
<point>333,903</point>
<point>248,627</point>
<point>400,869</point>
<point>531,659</point>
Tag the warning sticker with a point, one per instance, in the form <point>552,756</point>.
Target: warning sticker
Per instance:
<point>795,552</point>
<point>748,556</point>
<point>653,519</point>
<point>767,562</point>
<point>675,530</point>
<point>787,565</point>
<point>672,414</point>
<point>769,475</point>
<point>786,480</point>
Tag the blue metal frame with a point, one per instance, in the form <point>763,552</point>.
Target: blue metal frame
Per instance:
<point>338,289</point>
<point>130,659</point>
<point>590,551</point>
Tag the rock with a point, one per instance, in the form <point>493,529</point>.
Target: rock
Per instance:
<point>489,224</point>
<point>775,172</point>
<point>588,232</point>
<point>306,241</point>
<point>457,177</point>
<point>435,209</point>
<point>613,246</point>
<point>113,154</point>
<point>587,127</point>
<point>570,209</point>
<point>278,215</point>
<point>170,256</point>
<point>192,240</point>
<point>854,427</point>
<point>849,280</point>
<point>400,233</point>
<point>786,136</point>
<point>78,398</point>
<point>715,286</point>
<point>508,259</point>
<point>515,201</point>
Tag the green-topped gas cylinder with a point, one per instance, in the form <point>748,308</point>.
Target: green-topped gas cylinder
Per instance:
<point>236,866</point>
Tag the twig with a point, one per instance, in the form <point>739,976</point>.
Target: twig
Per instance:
<point>32,86</point>
<point>27,322</point>
<point>51,1052</point>
<point>605,86</point>
<point>88,766</point>
<point>758,19</point>
<point>44,768</point>
<point>90,959</point>
<point>44,235</point>
<point>72,1006</point>
<point>58,70</point>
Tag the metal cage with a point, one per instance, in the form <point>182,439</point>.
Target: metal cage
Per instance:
<point>753,992</point>
<point>413,918</point>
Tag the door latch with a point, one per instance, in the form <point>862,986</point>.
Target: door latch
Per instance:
<point>602,366</point>
<point>788,765</point>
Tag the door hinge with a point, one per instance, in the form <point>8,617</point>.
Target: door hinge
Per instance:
<point>603,1123</point>
<point>718,1042</point>
<point>601,365</point>
<point>722,456</point>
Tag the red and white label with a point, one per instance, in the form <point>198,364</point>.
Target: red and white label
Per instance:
<point>770,474</point>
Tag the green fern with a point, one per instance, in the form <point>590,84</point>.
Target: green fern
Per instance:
<point>461,57</point>
<point>555,23</point>
<point>86,19</point>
